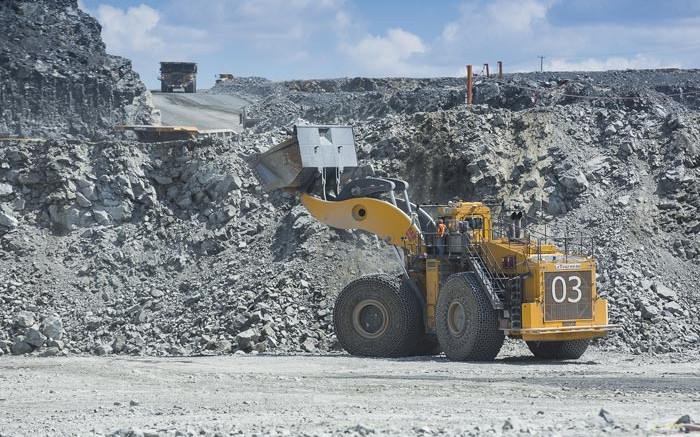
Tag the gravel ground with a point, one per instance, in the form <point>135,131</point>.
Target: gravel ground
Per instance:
<point>338,394</point>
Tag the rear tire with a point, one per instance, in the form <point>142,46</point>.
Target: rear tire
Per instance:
<point>466,323</point>
<point>558,350</point>
<point>373,317</point>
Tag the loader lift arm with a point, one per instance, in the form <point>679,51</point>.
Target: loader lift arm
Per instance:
<point>376,216</point>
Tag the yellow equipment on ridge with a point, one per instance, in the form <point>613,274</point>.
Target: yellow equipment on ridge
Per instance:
<point>462,293</point>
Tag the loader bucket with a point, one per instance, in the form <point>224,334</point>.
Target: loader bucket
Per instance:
<point>295,163</point>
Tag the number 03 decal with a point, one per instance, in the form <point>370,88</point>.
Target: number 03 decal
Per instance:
<point>560,291</point>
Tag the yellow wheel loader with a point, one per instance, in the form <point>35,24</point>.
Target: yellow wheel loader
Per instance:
<point>468,281</point>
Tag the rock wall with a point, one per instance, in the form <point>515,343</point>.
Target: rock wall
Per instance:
<point>57,81</point>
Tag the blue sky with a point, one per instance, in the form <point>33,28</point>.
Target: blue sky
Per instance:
<point>305,39</point>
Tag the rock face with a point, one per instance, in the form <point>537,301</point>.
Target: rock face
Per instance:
<point>56,79</point>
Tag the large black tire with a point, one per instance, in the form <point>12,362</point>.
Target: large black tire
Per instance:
<point>558,350</point>
<point>164,88</point>
<point>192,87</point>
<point>373,317</point>
<point>466,323</point>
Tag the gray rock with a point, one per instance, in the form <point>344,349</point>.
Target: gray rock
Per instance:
<point>101,217</point>
<point>309,345</point>
<point>5,189</point>
<point>50,352</point>
<point>93,323</point>
<point>247,338</point>
<point>163,180</point>
<point>119,343</point>
<point>25,319</point>
<point>5,345</point>
<point>223,346</point>
<point>237,183</point>
<point>664,291</point>
<point>30,178</point>
<point>674,308</point>
<point>58,344</point>
<point>605,419</point>
<point>648,310</point>
<point>65,217</point>
<point>52,327</point>
<point>7,219</point>
<point>103,349</point>
<point>82,200</point>
<point>574,181</point>
<point>34,337</point>
<point>139,317</point>
<point>21,347</point>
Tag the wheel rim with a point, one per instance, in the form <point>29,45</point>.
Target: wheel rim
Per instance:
<point>456,319</point>
<point>370,318</point>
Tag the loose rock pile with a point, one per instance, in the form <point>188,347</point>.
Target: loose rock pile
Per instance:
<point>166,249</point>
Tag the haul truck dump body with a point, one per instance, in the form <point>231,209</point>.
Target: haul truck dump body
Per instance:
<point>468,279</point>
<point>178,75</point>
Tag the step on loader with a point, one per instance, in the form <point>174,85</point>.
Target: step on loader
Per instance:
<point>469,279</point>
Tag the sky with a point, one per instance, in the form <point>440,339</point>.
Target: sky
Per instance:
<point>313,39</point>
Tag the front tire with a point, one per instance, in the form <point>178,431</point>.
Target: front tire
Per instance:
<point>373,317</point>
<point>466,322</point>
<point>558,350</point>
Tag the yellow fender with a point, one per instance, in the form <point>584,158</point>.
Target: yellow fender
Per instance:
<point>372,215</point>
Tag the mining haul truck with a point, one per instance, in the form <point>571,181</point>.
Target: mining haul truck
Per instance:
<point>223,77</point>
<point>178,75</point>
<point>469,279</point>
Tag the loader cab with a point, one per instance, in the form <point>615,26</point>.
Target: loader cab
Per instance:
<point>474,218</point>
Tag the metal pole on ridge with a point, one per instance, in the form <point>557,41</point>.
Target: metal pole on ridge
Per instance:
<point>469,84</point>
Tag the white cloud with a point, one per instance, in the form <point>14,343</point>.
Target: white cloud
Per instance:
<point>516,16</point>
<point>389,54</point>
<point>610,63</point>
<point>130,30</point>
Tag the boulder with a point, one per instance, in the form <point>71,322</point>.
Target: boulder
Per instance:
<point>21,347</point>
<point>574,181</point>
<point>25,319</point>
<point>674,308</point>
<point>82,200</point>
<point>664,291</point>
<point>247,338</point>
<point>103,349</point>
<point>5,189</point>
<point>64,217</point>
<point>52,327</point>
<point>7,219</point>
<point>34,337</point>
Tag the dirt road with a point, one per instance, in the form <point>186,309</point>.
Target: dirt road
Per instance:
<point>203,111</point>
<point>329,395</point>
